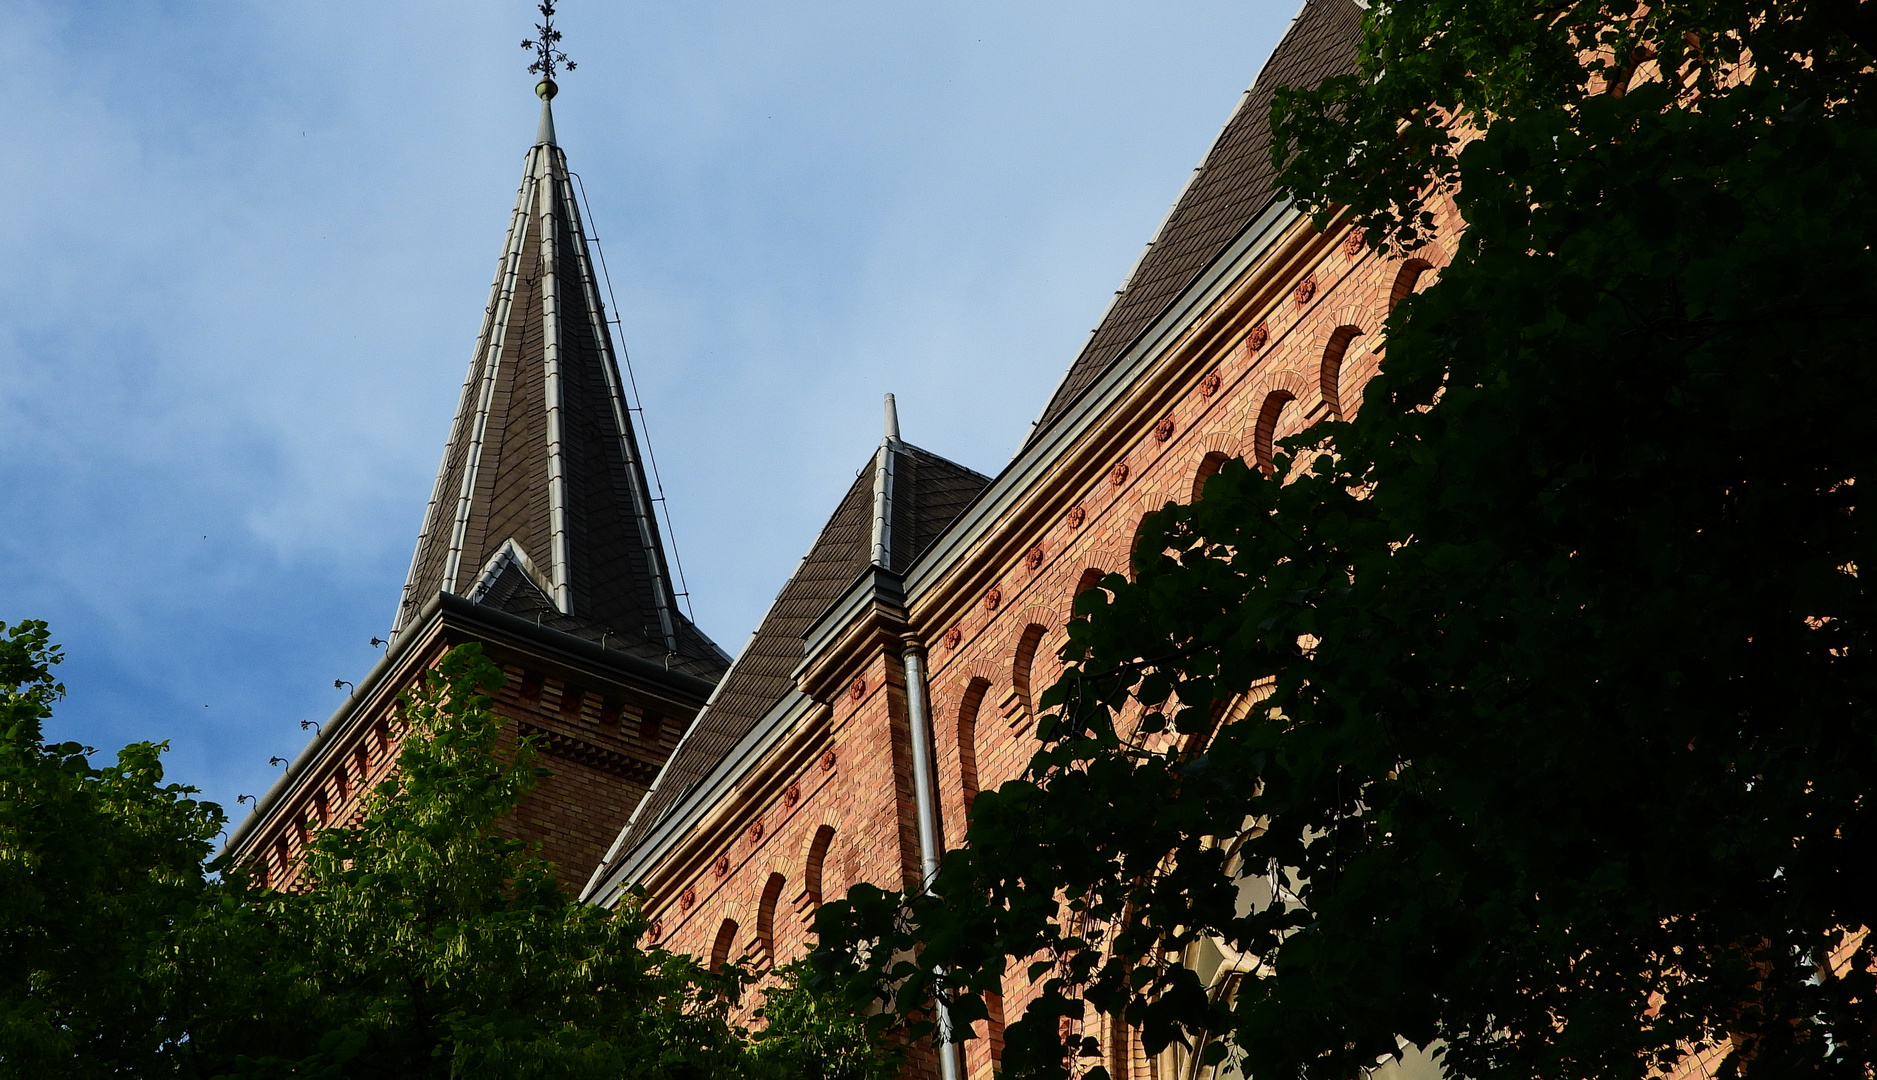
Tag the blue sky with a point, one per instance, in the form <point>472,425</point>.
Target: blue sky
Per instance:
<point>247,246</point>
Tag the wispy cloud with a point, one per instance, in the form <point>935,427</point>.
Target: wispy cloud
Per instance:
<point>247,245</point>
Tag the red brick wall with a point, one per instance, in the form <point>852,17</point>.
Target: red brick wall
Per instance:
<point>600,753</point>
<point>1331,304</point>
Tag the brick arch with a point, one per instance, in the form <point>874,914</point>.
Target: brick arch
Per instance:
<point>965,724</point>
<point>1115,551</point>
<point>1264,433</point>
<point>1086,580</point>
<point>782,857</point>
<point>1276,390</point>
<point>723,943</point>
<point>1330,366</point>
<point>1407,279</point>
<point>766,916</point>
<point>1032,640</point>
<point>816,844</point>
<point>1139,517</point>
<point>1343,314</point>
<point>1432,254</point>
<point>1207,467</point>
<point>958,675</point>
<point>1045,614</point>
<point>1210,451</point>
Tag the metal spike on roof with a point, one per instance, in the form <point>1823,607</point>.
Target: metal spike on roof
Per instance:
<point>544,131</point>
<point>883,489</point>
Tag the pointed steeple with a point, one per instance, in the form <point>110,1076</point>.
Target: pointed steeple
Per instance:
<point>541,505</point>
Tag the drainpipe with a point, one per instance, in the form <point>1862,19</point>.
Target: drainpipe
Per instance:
<point>925,803</point>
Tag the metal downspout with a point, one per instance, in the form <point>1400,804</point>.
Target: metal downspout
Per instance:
<point>925,802</point>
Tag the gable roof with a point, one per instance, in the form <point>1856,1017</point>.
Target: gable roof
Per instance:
<point>1231,187</point>
<point>927,493</point>
<point>541,506</point>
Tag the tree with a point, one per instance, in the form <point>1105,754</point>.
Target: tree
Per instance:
<point>422,943</point>
<point>98,866</point>
<point>1555,660</point>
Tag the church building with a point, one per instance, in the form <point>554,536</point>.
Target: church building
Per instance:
<point>893,677</point>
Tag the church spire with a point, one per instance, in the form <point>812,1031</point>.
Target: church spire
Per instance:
<point>541,505</point>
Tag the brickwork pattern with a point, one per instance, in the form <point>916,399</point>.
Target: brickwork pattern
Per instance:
<point>601,744</point>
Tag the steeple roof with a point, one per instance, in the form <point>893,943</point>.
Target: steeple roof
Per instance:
<point>541,506</point>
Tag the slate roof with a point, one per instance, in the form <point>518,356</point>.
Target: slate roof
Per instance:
<point>1231,188</point>
<point>541,505</point>
<point>929,492</point>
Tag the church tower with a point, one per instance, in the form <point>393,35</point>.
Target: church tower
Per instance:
<point>540,542</point>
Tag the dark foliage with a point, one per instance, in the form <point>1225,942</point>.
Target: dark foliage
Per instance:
<point>423,943</point>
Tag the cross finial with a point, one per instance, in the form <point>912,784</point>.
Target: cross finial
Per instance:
<point>546,47</point>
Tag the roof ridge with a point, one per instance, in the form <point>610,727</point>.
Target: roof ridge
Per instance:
<point>763,672</point>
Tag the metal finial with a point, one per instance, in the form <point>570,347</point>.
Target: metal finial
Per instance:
<point>892,419</point>
<point>546,47</point>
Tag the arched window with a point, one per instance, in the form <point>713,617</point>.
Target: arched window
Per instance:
<point>1406,279</point>
<point>1208,468</point>
<point>1140,554</point>
<point>1266,431</point>
<point>968,738</point>
<point>817,855</point>
<point>766,917</point>
<point>1330,374</point>
<point>720,950</point>
<point>1022,663</point>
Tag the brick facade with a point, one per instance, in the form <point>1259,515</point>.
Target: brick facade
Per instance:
<point>1289,343</point>
<point>603,726</point>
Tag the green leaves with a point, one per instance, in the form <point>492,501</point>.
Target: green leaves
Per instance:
<point>426,943</point>
<point>97,867</point>
<point>1382,141</point>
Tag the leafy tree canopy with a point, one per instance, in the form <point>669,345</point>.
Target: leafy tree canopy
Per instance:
<point>1550,677</point>
<point>422,943</point>
<point>1379,140</point>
